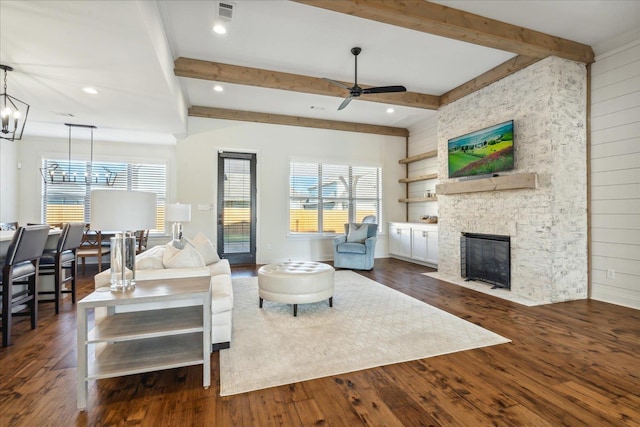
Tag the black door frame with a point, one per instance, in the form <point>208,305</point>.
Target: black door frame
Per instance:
<point>242,257</point>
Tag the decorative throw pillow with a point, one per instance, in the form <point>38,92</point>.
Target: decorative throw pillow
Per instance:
<point>151,259</point>
<point>181,258</point>
<point>357,233</point>
<point>205,248</point>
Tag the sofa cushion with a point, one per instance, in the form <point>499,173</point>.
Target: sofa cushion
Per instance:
<point>181,258</point>
<point>357,233</point>
<point>151,259</point>
<point>352,248</point>
<point>205,248</point>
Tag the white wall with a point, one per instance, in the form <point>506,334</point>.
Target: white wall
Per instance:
<point>8,180</point>
<point>275,146</point>
<point>422,139</point>
<point>615,172</point>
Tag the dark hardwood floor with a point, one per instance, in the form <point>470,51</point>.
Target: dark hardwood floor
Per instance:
<point>574,364</point>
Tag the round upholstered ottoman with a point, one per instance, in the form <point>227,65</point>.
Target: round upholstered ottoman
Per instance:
<point>296,282</point>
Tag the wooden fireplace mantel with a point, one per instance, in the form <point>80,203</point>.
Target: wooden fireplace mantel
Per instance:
<point>496,183</point>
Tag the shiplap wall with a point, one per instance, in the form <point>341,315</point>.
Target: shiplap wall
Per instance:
<point>423,139</point>
<point>615,174</point>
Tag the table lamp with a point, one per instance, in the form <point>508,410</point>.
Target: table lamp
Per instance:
<point>178,213</point>
<point>123,212</point>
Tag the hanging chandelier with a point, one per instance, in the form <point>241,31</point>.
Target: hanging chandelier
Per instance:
<point>13,112</point>
<point>57,173</point>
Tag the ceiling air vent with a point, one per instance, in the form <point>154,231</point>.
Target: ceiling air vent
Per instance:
<point>225,10</point>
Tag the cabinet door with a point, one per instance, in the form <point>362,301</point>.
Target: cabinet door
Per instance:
<point>432,247</point>
<point>419,244</point>
<point>400,240</point>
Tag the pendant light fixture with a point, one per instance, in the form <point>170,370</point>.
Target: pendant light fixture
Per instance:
<point>13,112</point>
<point>55,173</point>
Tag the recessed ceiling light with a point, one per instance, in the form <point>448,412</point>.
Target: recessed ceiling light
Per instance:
<point>90,90</point>
<point>218,88</point>
<point>390,110</point>
<point>219,29</point>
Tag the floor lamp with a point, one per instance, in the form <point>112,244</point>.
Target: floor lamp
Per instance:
<point>178,213</point>
<point>123,212</point>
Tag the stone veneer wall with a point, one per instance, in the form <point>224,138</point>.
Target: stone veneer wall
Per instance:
<point>548,225</point>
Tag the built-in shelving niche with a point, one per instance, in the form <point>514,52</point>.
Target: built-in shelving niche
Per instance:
<point>408,180</point>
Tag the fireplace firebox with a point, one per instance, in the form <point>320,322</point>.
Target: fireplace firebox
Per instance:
<point>487,258</point>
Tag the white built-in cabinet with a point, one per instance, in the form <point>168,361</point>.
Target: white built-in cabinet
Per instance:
<point>400,239</point>
<point>414,242</point>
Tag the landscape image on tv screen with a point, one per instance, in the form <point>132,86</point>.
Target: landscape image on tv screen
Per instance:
<point>482,152</point>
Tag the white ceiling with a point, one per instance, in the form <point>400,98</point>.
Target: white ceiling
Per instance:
<point>125,49</point>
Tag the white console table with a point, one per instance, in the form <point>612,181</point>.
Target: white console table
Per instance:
<point>145,341</point>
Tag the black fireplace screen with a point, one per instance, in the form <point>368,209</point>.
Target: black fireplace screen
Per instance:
<point>487,258</point>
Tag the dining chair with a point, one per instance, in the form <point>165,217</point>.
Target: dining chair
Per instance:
<point>63,259</point>
<point>92,246</point>
<point>142,238</point>
<point>19,284</point>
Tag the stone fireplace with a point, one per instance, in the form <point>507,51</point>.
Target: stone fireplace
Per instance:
<point>547,224</point>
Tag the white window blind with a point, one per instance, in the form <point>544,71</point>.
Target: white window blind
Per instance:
<point>323,197</point>
<point>69,199</point>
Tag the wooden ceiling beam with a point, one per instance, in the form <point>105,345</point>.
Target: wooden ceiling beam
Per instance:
<point>207,70</point>
<point>501,71</point>
<point>432,18</point>
<point>279,119</point>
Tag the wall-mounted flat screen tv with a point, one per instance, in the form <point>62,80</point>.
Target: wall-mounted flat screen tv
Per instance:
<point>483,152</point>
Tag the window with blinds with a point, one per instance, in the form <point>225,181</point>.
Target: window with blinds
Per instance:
<point>323,197</point>
<point>66,193</point>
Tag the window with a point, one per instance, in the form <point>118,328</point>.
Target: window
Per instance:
<point>323,197</point>
<point>66,193</point>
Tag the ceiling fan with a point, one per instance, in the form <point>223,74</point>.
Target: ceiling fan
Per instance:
<point>355,91</point>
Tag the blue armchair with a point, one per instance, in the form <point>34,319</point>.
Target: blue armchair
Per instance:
<point>355,249</point>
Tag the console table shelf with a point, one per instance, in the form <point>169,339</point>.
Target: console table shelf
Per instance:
<point>152,354</point>
<point>145,340</point>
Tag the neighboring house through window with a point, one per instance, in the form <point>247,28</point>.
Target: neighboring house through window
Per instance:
<point>323,197</point>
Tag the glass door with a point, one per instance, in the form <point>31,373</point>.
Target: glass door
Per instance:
<point>237,207</point>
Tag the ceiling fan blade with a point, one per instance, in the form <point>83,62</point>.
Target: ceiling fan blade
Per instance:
<point>384,89</point>
<point>337,83</point>
<point>346,102</point>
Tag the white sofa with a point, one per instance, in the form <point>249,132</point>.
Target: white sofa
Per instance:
<point>158,263</point>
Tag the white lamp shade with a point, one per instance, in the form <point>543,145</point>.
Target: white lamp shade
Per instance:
<point>177,212</point>
<point>122,210</point>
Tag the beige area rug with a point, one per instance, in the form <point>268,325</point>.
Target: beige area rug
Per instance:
<point>485,288</point>
<point>369,325</point>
